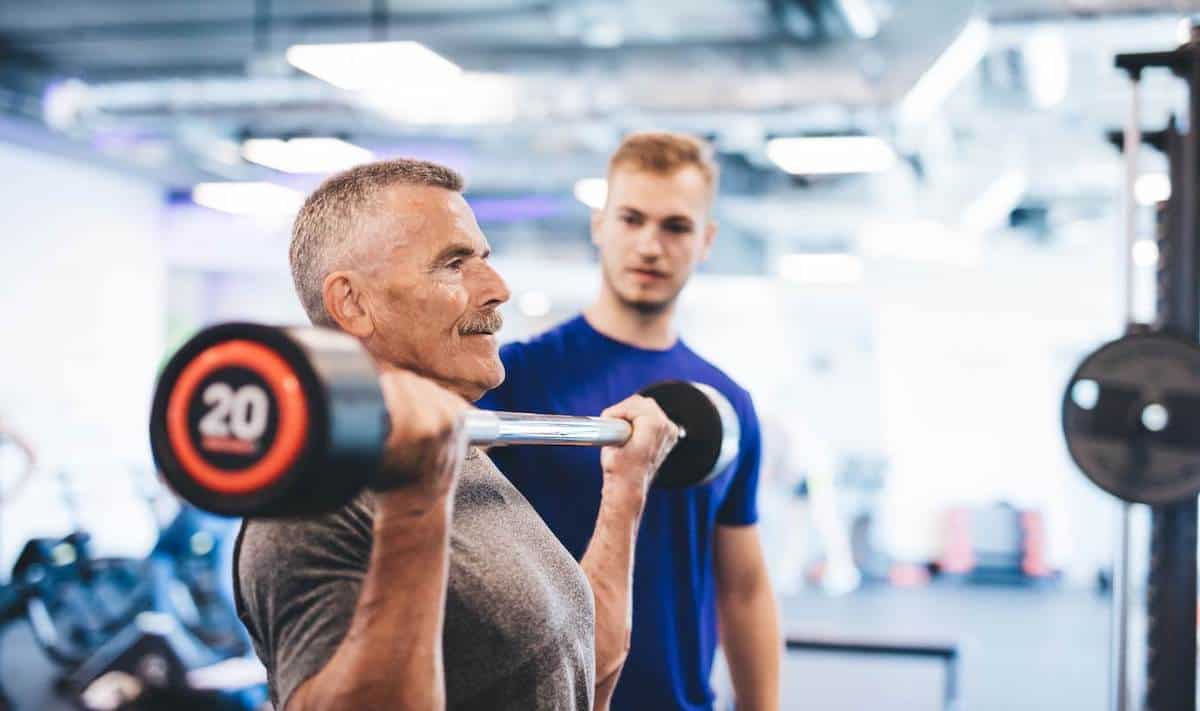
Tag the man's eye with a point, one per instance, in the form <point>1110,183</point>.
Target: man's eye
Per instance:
<point>679,228</point>
<point>455,264</point>
<point>630,220</point>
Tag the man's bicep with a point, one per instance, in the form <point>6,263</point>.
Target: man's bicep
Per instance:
<point>740,505</point>
<point>300,587</point>
<point>739,560</point>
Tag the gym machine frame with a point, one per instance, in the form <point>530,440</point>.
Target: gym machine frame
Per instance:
<point>1171,586</point>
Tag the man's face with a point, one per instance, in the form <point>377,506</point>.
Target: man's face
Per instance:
<point>652,232</point>
<point>433,295</point>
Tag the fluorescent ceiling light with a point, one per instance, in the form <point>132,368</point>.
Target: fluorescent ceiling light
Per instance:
<point>255,198</point>
<point>356,66</point>
<point>592,192</point>
<point>62,103</point>
<point>464,100</point>
<point>305,155</point>
<point>1145,253</point>
<point>950,68</point>
<point>821,268</point>
<point>861,18</point>
<point>831,154</point>
<point>991,209</point>
<point>1152,188</point>
<point>1048,67</point>
<point>1183,30</point>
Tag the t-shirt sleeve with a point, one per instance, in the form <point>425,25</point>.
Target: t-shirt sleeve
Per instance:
<point>298,586</point>
<point>500,398</point>
<point>740,507</point>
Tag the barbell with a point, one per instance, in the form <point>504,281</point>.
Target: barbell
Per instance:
<point>255,420</point>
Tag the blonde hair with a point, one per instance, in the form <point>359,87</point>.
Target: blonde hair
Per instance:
<point>665,153</point>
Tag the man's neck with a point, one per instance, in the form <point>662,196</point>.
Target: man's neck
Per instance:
<point>620,322</point>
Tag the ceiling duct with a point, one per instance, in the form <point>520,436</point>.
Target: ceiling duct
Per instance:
<point>582,83</point>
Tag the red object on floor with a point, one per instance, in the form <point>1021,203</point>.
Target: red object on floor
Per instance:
<point>958,556</point>
<point>908,575</point>
<point>1033,561</point>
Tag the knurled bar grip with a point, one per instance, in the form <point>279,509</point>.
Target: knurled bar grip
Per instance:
<point>491,429</point>
<point>501,428</point>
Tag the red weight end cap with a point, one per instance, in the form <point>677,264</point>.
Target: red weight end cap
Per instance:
<point>292,417</point>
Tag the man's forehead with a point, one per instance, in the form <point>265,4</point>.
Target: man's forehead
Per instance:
<point>683,191</point>
<point>428,218</point>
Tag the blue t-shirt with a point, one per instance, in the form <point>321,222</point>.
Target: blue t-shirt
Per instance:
<point>575,370</point>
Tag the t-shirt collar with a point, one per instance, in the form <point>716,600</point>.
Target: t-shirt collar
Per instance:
<point>586,326</point>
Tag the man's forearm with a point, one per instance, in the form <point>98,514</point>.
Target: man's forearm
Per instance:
<point>391,656</point>
<point>753,647</point>
<point>608,565</point>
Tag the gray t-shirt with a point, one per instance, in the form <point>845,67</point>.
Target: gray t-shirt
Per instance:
<point>520,623</point>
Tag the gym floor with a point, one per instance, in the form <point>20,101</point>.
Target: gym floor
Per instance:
<point>1020,648</point>
<point>1027,649</point>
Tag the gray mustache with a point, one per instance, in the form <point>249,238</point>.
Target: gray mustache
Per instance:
<point>485,322</point>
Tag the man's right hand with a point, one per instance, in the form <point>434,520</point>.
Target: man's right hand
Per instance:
<point>634,463</point>
<point>427,442</point>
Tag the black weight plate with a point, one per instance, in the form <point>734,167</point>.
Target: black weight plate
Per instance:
<point>281,495</point>
<point>695,456</point>
<point>1131,417</point>
<point>342,444</point>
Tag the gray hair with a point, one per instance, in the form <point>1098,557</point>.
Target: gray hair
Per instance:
<point>328,222</point>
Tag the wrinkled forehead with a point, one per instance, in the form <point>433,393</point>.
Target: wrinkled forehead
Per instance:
<point>685,191</point>
<point>417,222</point>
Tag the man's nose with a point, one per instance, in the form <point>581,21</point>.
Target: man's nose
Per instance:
<point>493,291</point>
<point>647,243</point>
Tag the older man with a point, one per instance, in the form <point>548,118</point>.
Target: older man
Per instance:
<point>439,586</point>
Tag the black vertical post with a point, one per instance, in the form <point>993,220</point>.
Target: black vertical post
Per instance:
<point>1171,642</point>
<point>1171,588</point>
<point>1167,232</point>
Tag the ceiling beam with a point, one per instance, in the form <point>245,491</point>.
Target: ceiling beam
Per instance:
<point>252,23</point>
<point>1068,10</point>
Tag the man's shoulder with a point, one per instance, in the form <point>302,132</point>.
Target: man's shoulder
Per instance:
<point>705,371</point>
<point>264,544</point>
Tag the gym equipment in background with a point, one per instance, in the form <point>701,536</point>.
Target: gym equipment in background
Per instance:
<point>1130,412</point>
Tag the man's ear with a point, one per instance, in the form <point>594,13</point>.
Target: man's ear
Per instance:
<point>347,304</point>
<point>710,234</point>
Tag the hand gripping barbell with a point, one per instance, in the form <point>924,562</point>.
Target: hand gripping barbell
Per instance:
<point>253,420</point>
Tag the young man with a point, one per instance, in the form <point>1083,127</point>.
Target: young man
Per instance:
<point>700,566</point>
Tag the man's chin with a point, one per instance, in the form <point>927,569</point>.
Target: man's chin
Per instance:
<point>497,378</point>
<point>492,380</point>
<point>647,306</point>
